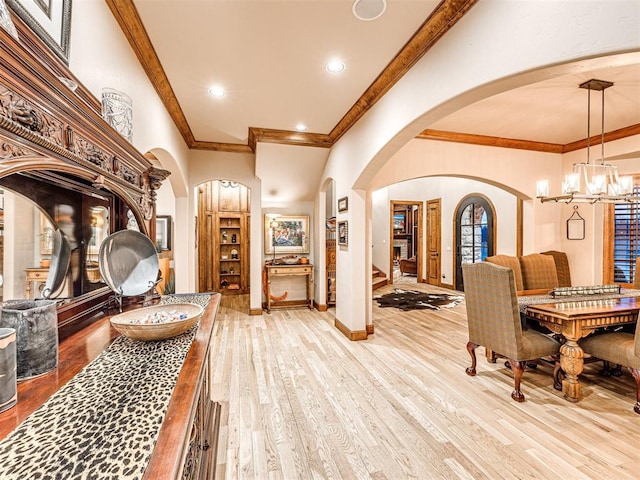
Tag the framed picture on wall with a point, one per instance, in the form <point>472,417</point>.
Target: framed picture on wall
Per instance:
<point>48,19</point>
<point>343,204</point>
<point>163,233</point>
<point>343,233</point>
<point>286,234</point>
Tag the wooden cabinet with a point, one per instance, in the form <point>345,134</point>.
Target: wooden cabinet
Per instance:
<point>223,237</point>
<point>231,253</point>
<point>330,255</point>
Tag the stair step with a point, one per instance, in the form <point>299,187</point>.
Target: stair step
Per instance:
<point>378,282</point>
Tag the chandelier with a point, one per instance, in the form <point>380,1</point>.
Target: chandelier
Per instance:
<point>591,182</point>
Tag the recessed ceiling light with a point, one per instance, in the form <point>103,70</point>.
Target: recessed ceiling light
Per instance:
<point>335,66</point>
<point>301,128</point>
<point>217,92</point>
<point>369,9</point>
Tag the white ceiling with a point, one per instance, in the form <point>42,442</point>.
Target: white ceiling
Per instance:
<point>270,56</point>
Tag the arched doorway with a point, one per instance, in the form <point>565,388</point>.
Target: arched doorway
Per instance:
<point>475,233</point>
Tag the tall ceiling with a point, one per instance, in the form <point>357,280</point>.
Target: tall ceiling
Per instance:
<point>270,57</point>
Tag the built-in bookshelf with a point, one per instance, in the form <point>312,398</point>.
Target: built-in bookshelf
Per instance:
<point>331,261</point>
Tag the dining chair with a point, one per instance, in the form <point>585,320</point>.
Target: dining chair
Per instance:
<point>511,262</point>
<point>562,267</point>
<point>538,272</point>
<point>622,348</point>
<point>494,322</point>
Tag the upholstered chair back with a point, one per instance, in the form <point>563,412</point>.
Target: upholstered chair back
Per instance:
<point>562,267</point>
<point>492,308</point>
<point>538,272</point>
<point>510,262</point>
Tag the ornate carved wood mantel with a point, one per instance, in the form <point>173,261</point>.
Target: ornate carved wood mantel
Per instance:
<point>47,127</point>
<point>44,125</point>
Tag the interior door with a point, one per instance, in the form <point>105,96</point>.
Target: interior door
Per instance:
<point>406,227</point>
<point>433,241</point>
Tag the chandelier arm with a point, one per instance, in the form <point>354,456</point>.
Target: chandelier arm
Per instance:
<point>602,136</point>
<point>588,124</point>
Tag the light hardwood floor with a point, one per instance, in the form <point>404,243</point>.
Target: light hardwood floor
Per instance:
<point>300,401</point>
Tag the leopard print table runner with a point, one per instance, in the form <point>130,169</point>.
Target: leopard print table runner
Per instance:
<point>103,423</point>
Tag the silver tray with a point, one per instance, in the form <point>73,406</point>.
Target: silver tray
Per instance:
<point>128,262</point>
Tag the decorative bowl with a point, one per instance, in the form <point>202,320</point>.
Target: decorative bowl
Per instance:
<point>131,323</point>
<point>290,260</point>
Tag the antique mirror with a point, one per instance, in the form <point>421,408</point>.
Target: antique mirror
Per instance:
<point>35,206</point>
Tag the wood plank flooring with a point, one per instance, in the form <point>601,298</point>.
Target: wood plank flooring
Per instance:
<point>300,401</point>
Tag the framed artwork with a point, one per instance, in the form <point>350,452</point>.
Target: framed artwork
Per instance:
<point>163,233</point>
<point>49,19</point>
<point>286,234</point>
<point>399,221</point>
<point>343,233</point>
<point>343,204</point>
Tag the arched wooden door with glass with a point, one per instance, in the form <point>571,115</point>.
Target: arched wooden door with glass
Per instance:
<point>474,233</point>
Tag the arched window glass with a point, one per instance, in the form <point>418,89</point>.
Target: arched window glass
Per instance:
<point>474,233</point>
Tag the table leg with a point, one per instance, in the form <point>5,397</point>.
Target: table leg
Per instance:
<point>572,362</point>
<point>268,292</point>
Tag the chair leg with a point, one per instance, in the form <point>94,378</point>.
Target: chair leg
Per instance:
<point>518,370</point>
<point>636,375</point>
<point>491,355</point>
<point>471,348</point>
<point>606,369</point>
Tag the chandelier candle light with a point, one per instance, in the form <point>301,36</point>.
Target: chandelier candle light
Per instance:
<point>600,180</point>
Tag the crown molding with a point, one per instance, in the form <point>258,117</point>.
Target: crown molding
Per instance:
<point>441,20</point>
<point>490,141</point>
<point>608,137</point>
<point>125,13</point>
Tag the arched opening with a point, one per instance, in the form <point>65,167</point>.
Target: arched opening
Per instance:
<point>475,233</point>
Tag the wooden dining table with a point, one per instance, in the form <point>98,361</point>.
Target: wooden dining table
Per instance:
<point>575,318</point>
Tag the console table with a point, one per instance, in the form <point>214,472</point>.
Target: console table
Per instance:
<point>301,270</point>
<point>38,275</point>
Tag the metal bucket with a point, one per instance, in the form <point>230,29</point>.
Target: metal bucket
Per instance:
<point>8,381</point>
<point>36,326</point>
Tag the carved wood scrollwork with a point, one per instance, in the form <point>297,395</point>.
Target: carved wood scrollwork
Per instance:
<point>29,121</point>
<point>21,111</point>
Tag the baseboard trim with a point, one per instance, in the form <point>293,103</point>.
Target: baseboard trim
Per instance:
<point>351,335</point>
<point>370,329</point>
<point>320,308</point>
<point>255,311</point>
<point>447,285</point>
